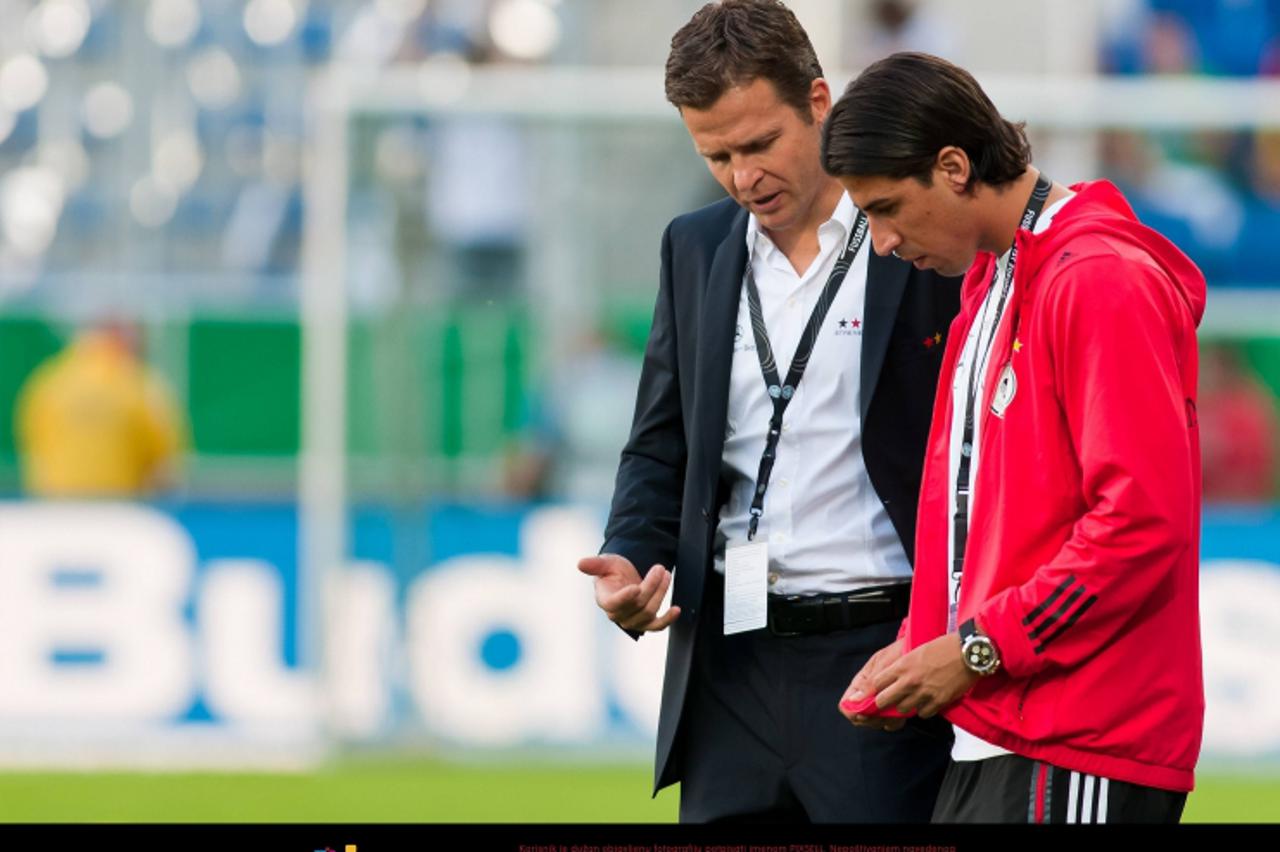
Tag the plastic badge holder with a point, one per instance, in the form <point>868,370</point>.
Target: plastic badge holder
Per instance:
<point>867,707</point>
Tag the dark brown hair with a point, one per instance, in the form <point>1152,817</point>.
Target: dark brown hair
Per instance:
<point>734,42</point>
<point>899,113</point>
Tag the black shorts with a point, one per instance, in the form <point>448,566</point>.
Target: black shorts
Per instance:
<point>1015,789</point>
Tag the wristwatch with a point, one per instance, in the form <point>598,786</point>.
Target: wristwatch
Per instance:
<point>978,651</point>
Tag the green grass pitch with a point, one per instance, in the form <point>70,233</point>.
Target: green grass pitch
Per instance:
<point>421,791</point>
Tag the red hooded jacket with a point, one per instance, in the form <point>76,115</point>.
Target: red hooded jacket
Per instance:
<point>1083,551</point>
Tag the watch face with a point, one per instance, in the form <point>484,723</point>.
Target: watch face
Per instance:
<point>980,655</point>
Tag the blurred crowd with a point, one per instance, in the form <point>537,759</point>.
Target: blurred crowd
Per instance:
<point>167,136</point>
<point>1215,193</point>
<point>156,147</point>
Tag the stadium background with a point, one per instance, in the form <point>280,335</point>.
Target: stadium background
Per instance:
<point>395,260</point>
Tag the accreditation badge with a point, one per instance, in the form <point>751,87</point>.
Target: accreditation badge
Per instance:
<point>746,571</point>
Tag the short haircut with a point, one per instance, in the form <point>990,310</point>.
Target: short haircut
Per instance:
<point>735,42</point>
<point>901,111</point>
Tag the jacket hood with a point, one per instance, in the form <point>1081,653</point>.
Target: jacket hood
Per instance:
<point>1099,209</point>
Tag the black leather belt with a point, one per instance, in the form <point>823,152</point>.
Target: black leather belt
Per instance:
<point>802,615</point>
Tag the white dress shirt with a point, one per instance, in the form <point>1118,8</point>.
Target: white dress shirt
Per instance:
<point>826,527</point>
<point>981,336</point>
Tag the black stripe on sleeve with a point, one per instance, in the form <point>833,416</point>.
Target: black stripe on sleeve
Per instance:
<point>1048,602</point>
<point>1090,601</point>
<point>1058,613</point>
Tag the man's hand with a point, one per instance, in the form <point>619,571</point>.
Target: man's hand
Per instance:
<point>927,680</point>
<point>630,602</point>
<point>863,684</point>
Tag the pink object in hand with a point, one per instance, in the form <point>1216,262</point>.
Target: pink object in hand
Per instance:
<point>867,707</point>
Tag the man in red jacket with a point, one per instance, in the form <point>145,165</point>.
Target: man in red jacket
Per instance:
<point>1054,616</point>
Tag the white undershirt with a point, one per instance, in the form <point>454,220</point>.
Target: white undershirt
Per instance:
<point>826,527</point>
<point>968,747</point>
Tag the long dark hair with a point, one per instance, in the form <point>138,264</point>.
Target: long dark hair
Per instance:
<point>899,113</point>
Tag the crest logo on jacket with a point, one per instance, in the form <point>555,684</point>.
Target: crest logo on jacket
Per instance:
<point>1006,387</point>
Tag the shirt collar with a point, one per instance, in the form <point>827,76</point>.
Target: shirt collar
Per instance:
<point>841,221</point>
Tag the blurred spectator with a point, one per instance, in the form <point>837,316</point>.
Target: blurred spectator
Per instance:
<point>478,197</point>
<point>1224,37</point>
<point>1239,430</point>
<point>573,440</point>
<point>1230,37</point>
<point>897,25</point>
<point>478,205</point>
<point>1169,46</point>
<point>94,421</point>
<point>1190,203</point>
<point>1258,261</point>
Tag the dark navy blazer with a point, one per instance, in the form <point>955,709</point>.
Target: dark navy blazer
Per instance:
<point>668,494</point>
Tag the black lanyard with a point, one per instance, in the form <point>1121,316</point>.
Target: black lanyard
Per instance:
<point>782,392</point>
<point>961,526</point>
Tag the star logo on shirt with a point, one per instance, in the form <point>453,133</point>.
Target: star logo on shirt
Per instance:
<point>1017,345</point>
<point>849,327</point>
<point>930,342</point>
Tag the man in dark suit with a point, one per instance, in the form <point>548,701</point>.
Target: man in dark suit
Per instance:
<point>784,503</point>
